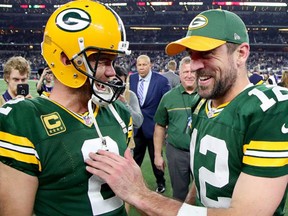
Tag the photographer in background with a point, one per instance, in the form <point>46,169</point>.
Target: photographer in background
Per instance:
<point>16,71</point>
<point>46,81</point>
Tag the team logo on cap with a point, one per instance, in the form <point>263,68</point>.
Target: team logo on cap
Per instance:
<point>198,22</point>
<point>73,20</point>
<point>236,37</point>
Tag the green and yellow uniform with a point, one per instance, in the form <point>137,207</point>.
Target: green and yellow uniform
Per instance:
<point>43,139</point>
<point>175,110</point>
<point>249,134</point>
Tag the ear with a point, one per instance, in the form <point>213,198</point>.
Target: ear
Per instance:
<point>244,50</point>
<point>64,59</point>
<point>243,53</point>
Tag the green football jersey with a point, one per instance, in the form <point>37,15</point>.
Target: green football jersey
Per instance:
<point>248,134</point>
<point>43,139</point>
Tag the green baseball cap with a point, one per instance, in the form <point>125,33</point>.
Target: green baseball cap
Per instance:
<point>211,29</point>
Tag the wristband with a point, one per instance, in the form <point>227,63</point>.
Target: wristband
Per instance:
<point>192,210</point>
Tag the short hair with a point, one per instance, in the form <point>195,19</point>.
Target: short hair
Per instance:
<point>17,63</point>
<point>231,47</point>
<point>144,57</point>
<point>185,60</point>
<point>172,65</point>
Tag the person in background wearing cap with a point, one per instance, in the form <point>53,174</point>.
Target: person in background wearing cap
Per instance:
<point>256,77</point>
<point>239,139</point>
<point>45,141</point>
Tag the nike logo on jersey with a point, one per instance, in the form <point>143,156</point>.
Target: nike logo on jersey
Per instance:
<point>284,129</point>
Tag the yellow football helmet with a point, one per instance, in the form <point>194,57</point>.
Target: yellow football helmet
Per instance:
<point>78,29</point>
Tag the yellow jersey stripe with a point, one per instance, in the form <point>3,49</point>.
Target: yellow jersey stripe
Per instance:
<point>266,146</point>
<point>265,162</point>
<point>22,154</point>
<point>16,140</point>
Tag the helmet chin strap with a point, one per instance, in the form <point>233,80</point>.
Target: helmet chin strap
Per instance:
<point>107,94</point>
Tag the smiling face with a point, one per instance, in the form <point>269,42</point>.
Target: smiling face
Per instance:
<point>187,75</point>
<point>216,72</point>
<point>105,71</point>
<point>106,88</point>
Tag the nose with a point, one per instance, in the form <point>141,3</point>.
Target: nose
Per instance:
<point>110,71</point>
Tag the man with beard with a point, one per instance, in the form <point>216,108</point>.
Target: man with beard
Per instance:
<point>239,138</point>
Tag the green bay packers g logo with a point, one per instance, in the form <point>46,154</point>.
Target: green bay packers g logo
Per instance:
<point>73,20</point>
<point>198,22</point>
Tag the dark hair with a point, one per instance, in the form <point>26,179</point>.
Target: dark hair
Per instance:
<point>231,47</point>
<point>40,70</point>
<point>120,71</point>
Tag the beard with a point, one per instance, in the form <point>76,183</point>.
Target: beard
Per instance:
<point>221,85</point>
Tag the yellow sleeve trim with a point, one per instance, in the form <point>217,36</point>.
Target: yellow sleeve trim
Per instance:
<point>18,140</point>
<point>265,162</point>
<point>266,146</point>
<point>18,148</point>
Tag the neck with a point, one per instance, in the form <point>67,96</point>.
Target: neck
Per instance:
<point>49,83</point>
<point>75,100</point>
<point>232,93</point>
<point>11,93</point>
<point>189,91</point>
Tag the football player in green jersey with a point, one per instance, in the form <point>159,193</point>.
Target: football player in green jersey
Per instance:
<point>44,142</point>
<point>239,140</point>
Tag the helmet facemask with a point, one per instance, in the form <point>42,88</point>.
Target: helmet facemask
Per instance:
<point>104,34</point>
<point>103,92</point>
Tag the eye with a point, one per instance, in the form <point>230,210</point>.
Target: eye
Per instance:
<point>207,54</point>
<point>101,63</point>
<point>105,62</point>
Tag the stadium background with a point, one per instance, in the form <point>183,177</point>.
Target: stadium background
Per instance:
<point>150,25</point>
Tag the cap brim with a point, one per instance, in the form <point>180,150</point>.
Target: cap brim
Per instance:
<point>197,43</point>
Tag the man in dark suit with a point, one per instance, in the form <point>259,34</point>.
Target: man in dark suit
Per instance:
<point>149,87</point>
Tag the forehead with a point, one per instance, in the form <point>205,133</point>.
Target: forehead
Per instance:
<point>16,73</point>
<point>215,50</point>
<point>186,65</point>
<point>143,61</point>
